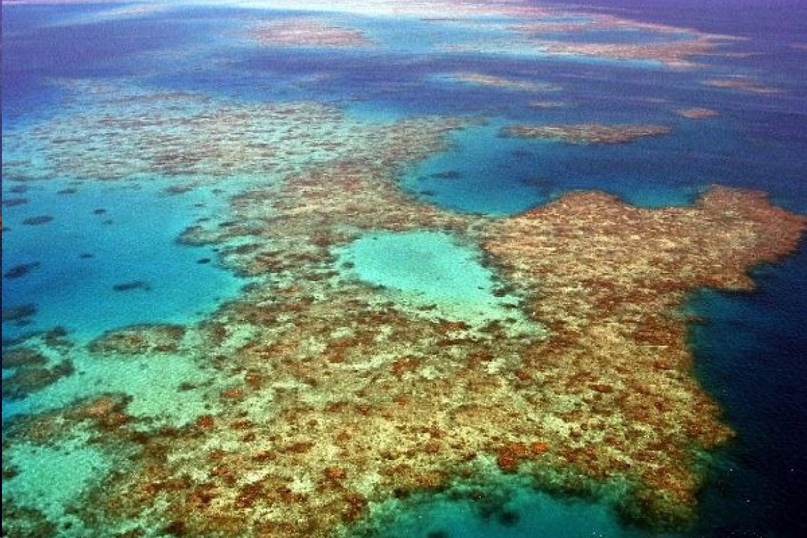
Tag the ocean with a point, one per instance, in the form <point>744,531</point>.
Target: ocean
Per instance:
<point>144,187</point>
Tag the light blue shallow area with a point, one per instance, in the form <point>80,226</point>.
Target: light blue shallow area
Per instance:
<point>428,268</point>
<point>82,254</point>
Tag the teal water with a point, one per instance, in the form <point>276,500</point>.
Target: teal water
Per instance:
<point>507,508</point>
<point>481,173</point>
<point>105,236</point>
<point>429,269</point>
<point>485,173</point>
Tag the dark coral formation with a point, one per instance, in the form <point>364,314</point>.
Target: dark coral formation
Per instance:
<point>132,285</point>
<point>33,371</point>
<point>31,378</point>
<point>23,357</point>
<point>12,202</point>
<point>38,220</point>
<point>19,313</point>
<point>140,340</point>
<point>20,270</point>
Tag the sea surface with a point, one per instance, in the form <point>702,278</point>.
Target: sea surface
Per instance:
<point>91,255</point>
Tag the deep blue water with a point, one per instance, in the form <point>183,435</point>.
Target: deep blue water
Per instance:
<point>750,356</point>
<point>751,350</point>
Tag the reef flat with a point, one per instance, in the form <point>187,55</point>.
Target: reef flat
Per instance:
<point>111,131</point>
<point>697,113</point>
<point>589,133</point>
<point>309,33</point>
<point>500,82</point>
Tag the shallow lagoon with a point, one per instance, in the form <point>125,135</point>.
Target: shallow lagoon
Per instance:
<point>429,269</point>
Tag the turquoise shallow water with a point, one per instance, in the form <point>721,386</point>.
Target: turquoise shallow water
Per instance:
<point>105,236</point>
<point>428,269</point>
<point>509,509</point>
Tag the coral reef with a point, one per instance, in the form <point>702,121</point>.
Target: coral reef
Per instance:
<point>742,84</point>
<point>140,340</point>
<point>331,396</point>
<point>303,32</point>
<point>697,113</point>
<point>610,283</point>
<point>671,46</point>
<point>586,133</point>
<point>130,132</point>
<point>320,394</point>
<point>482,79</point>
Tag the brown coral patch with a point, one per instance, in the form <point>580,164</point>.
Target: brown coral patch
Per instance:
<point>33,378</point>
<point>107,410</point>
<point>139,339</point>
<point>675,52</point>
<point>744,84</point>
<point>23,357</point>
